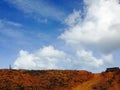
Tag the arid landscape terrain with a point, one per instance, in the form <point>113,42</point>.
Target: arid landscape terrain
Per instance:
<point>11,79</point>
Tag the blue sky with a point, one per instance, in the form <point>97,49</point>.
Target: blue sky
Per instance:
<point>31,23</point>
<point>59,34</point>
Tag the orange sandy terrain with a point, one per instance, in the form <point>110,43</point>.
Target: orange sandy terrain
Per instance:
<point>11,79</point>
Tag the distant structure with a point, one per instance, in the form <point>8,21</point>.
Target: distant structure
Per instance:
<point>10,67</point>
<point>112,69</point>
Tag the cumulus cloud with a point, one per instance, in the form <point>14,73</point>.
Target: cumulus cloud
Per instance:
<point>73,18</point>
<point>87,58</point>
<point>91,40</point>
<point>45,58</point>
<point>99,28</point>
<point>97,32</point>
<point>50,58</point>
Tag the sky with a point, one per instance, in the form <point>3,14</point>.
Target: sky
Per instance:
<point>60,34</point>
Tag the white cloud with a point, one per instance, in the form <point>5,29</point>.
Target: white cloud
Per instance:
<point>44,58</point>
<point>38,9</point>
<point>100,27</point>
<point>73,18</point>
<point>13,23</point>
<point>97,32</point>
<point>25,60</point>
<point>51,58</point>
<point>87,59</point>
<point>90,36</point>
<point>108,58</point>
<point>12,33</point>
<point>6,23</point>
<point>10,29</point>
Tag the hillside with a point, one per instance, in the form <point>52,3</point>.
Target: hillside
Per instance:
<point>11,79</point>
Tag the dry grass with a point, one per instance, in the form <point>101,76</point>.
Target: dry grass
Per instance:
<point>58,80</point>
